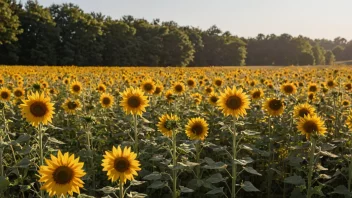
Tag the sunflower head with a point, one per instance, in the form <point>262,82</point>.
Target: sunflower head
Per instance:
<point>71,106</point>
<point>158,89</point>
<point>331,83</point>
<point>197,98</point>
<point>197,129</point>
<point>257,94</point>
<point>169,95</point>
<point>233,102</point>
<point>37,109</point>
<point>213,99</point>
<point>313,87</point>
<point>288,88</point>
<point>302,110</point>
<point>101,88</point>
<point>133,101</point>
<point>120,164</point>
<point>209,90</point>
<point>19,92</point>
<point>106,100</point>
<point>167,124</point>
<point>311,125</point>
<point>191,83</point>
<point>274,107</point>
<point>179,88</point>
<point>76,87</point>
<point>5,94</point>
<point>218,82</point>
<point>148,86</point>
<point>62,175</point>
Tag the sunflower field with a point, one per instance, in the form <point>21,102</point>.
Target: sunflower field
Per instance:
<point>175,132</point>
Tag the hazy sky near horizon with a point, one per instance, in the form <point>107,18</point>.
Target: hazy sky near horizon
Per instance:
<point>312,18</point>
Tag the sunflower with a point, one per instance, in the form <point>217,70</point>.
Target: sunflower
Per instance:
<point>5,94</point>
<point>101,87</point>
<point>257,94</point>
<point>179,88</point>
<point>311,124</point>
<point>158,89</point>
<point>76,87</point>
<point>106,100</point>
<point>302,110</point>
<point>288,88</point>
<point>167,123</point>
<point>62,175</point>
<point>19,92</point>
<point>37,109</point>
<point>197,129</point>
<point>191,82</point>
<point>348,86</point>
<point>218,82</point>
<point>330,83</point>
<point>71,106</point>
<point>169,96</point>
<point>233,102</point>
<point>66,81</point>
<point>209,90</point>
<point>197,98</point>
<point>274,107</point>
<point>133,101</point>
<point>349,121</point>
<point>313,87</point>
<point>148,86</point>
<point>213,99</point>
<point>346,103</point>
<point>120,164</point>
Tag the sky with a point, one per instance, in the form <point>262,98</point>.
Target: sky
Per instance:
<point>245,18</point>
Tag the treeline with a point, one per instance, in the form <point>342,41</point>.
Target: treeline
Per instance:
<point>31,34</point>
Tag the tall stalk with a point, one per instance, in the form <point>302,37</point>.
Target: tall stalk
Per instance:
<point>121,189</point>
<point>234,156</point>
<point>135,134</point>
<point>174,163</point>
<point>270,155</point>
<point>311,167</point>
<point>40,137</point>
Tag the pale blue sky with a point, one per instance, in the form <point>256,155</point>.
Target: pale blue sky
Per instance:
<point>247,18</point>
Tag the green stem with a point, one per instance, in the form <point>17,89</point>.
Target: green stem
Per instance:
<point>234,156</point>
<point>311,167</point>
<point>269,163</point>
<point>135,134</point>
<point>174,162</point>
<point>349,175</point>
<point>40,131</point>
<point>91,159</point>
<point>121,189</point>
<point>198,159</point>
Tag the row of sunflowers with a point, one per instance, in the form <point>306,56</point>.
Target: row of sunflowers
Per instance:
<point>175,132</point>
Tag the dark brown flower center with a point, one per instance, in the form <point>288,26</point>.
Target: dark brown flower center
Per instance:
<point>345,103</point>
<point>330,83</point>
<point>348,86</point>
<point>63,175</point>
<point>38,109</point>
<point>234,102</point>
<point>190,83</point>
<point>208,90</point>
<point>134,101</point>
<point>106,101</point>
<point>72,105</point>
<point>310,127</point>
<point>303,112</point>
<point>275,104</point>
<point>288,89</point>
<point>121,164</point>
<point>256,94</point>
<point>76,88</point>
<point>178,88</point>
<point>148,87</point>
<point>157,90</point>
<point>218,82</point>
<point>5,95</point>
<point>197,129</point>
<point>214,99</point>
<point>313,88</point>
<point>311,96</point>
<point>18,93</point>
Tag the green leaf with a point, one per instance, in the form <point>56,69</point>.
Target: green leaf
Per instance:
<point>215,191</point>
<point>23,138</point>
<point>318,190</point>
<point>4,183</point>
<point>249,187</point>
<point>25,150</point>
<point>153,176</point>
<point>215,178</point>
<point>157,184</point>
<point>24,163</point>
<point>137,183</point>
<point>295,180</point>
<point>342,190</point>
<point>54,140</point>
<point>296,193</point>
<point>250,132</point>
<point>108,189</point>
<point>84,196</point>
<point>186,190</point>
<point>216,165</point>
<point>251,170</point>
<point>328,154</point>
<point>134,194</point>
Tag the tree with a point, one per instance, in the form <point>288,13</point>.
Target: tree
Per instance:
<point>319,55</point>
<point>338,52</point>
<point>9,25</point>
<point>329,57</point>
